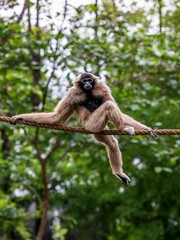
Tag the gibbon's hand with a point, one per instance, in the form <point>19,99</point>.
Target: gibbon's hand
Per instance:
<point>15,119</point>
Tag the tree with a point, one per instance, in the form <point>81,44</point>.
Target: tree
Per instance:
<point>51,184</point>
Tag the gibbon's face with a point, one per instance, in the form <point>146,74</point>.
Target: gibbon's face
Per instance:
<point>86,81</point>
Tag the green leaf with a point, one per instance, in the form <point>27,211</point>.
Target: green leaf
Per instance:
<point>158,169</point>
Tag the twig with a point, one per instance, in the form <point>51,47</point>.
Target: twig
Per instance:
<point>53,148</point>
<point>6,38</point>
<point>34,191</point>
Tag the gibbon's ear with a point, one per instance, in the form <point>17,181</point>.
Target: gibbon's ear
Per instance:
<point>76,81</point>
<point>97,78</point>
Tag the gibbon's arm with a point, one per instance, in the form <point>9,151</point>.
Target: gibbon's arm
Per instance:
<point>106,92</point>
<point>60,115</point>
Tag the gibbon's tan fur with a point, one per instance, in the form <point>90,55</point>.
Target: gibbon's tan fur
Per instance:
<point>95,121</point>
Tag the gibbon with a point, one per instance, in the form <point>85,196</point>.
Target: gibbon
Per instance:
<point>91,99</point>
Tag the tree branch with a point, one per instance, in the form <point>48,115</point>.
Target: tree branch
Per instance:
<point>55,52</point>
<point>160,14</point>
<point>29,19</point>
<point>5,39</point>
<point>33,190</point>
<point>96,20</point>
<point>54,147</point>
<point>47,87</point>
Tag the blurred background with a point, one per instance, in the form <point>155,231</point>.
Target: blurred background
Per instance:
<point>59,185</point>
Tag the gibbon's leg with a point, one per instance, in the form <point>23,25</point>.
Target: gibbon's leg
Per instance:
<point>108,111</point>
<point>132,124</point>
<point>114,154</point>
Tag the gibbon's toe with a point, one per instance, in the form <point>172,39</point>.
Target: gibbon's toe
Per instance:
<point>152,135</point>
<point>124,178</point>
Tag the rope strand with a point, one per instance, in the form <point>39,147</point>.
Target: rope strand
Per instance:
<point>82,130</point>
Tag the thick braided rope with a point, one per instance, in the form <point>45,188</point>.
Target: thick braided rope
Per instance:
<point>82,130</point>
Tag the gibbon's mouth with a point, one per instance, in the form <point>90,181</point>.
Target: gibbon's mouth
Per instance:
<point>89,87</point>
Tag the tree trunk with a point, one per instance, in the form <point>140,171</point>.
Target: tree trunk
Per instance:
<point>42,227</point>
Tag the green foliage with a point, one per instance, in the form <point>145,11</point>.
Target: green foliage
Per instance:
<point>86,201</point>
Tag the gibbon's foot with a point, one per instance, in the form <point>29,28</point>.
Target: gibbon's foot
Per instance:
<point>15,119</point>
<point>151,134</point>
<point>124,178</point>
<point>129,130</point>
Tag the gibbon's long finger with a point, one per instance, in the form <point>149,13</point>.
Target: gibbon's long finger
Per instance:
<point>124,178</point>
<point>130,130</point>
<point>152,135</point>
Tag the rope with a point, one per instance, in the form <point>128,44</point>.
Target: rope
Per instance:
<point>82,130</point>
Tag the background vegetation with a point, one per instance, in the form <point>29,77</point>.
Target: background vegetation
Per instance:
<point>134,46</point>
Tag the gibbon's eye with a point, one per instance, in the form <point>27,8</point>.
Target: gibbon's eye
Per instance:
<point>87,80</point>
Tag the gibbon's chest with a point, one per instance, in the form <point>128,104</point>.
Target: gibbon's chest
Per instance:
<point>91,102</point>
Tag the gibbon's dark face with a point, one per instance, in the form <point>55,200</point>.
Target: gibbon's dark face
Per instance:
<point>87,81</point>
